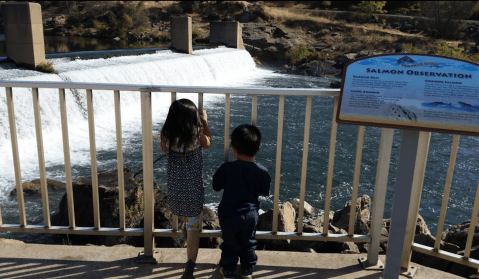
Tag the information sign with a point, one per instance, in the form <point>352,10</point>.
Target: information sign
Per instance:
<point>409,91</point>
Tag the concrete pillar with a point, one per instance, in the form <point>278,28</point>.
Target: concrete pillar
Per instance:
<point>226,32</point>
<point>24,33</point>
<point>181,34</point>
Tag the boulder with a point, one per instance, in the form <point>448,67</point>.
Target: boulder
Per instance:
<point>335,84</point>
<point>134,206</point>
<point>321,68</point>
<point>430,261</point>
<point>33,187</point>
<point>344,59</point>
<point>214,17</point>
<point>363,208</point>
<point>457,234</point>
<point>286,223</point>
<point>308,209</point>
<point>465,271</point>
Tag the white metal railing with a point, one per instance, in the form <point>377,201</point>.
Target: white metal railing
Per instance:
<point>149,232</point>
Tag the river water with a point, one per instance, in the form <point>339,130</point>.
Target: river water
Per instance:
<point>213,67</point>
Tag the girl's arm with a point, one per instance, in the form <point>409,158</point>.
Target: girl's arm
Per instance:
<point>205,137</point>
<point>163,144</point>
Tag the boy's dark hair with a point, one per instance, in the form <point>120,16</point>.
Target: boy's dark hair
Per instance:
<point>182,125</point>
<point>246,140</point>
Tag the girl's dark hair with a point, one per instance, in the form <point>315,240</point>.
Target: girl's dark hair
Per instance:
<point>246,139</point>
<point>183,124</point>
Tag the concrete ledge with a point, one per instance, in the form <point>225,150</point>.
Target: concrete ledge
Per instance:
<point>181,34</point>
<point>64,261</point>
<point>24,33</point>
<point>226,32</point>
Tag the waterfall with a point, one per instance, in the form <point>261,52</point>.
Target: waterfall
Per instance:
<point>209,67</point>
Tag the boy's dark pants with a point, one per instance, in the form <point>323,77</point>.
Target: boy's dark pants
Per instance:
<point>238,232</point>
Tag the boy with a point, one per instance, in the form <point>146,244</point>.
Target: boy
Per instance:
<point>243,181</point>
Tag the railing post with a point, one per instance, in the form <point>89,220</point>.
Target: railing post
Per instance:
<point>16,158</point>
<point>119,156</point>
<point>329,179</point>
<point>254,110</point>
<point>277,175</point>
<point>357,171</point>
<point>41,158</point>
<point>380,189</point>
<point>66,154</point>
<point>227,126</point>
<point>304,164</point>
<point>147,150</point>
<point>94,168</point>
<point>447,190</point>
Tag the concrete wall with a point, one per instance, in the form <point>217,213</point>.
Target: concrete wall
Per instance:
<point>226,32</point>
<point>181,35</point>
<point>24,33</point>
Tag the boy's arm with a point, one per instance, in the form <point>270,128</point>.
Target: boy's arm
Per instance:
<point>219,179</point>
<point>205,137</point>
<point>265,185</point>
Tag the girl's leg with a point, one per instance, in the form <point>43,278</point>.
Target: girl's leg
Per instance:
<point>193,242</point>
<point>193,238</point>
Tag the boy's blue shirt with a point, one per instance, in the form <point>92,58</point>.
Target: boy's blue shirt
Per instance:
<point>243,182</point>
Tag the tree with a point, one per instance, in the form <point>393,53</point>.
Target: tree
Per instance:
<point>370,7</point>
<point>444,16</point>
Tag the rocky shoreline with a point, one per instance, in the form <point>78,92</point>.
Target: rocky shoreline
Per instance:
<point>453,240</point>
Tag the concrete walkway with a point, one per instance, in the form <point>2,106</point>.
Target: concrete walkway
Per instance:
<point>62,261</point>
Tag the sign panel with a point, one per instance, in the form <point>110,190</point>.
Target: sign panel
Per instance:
<point>409,91</point>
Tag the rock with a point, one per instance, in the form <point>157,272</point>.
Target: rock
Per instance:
<point>457,234</point>
<point>110,178</point>
<point>342,60</point>
<point>278,32</point>
<point>465,271</point>
<point>430,261</point>
<point>33,187</point>
<point>308,210</point>
<point>335,84</point>
<point>246,16</point>
<point>214,17</point>
<point>397,47</point>
<point>116,39</point>
<point>341,217</point>
<point>364,53</point>
<point>421,228</point>
<point>286,219</point>
<point>322,68</point>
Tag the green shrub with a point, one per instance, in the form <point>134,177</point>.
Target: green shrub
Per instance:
<point>370,7</point>
<point>454,52</point>
<point>409,48</point>
<point>46,67</point>
<point>301,54</point>
<point>195,34</point>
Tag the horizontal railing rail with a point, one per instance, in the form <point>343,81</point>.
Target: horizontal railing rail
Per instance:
<point>149,232</point>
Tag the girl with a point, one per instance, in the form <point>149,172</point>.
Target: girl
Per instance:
<point>183,136</point>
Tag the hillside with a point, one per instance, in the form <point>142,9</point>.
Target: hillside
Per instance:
<point>290,35</point>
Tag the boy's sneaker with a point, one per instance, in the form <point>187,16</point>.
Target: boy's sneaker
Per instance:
<point>227,274</point>
<point>247,273</point>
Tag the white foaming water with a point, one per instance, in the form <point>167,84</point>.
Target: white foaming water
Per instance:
<point>212,67</point>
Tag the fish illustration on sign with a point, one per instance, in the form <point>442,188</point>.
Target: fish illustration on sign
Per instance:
<point>406,60</point>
